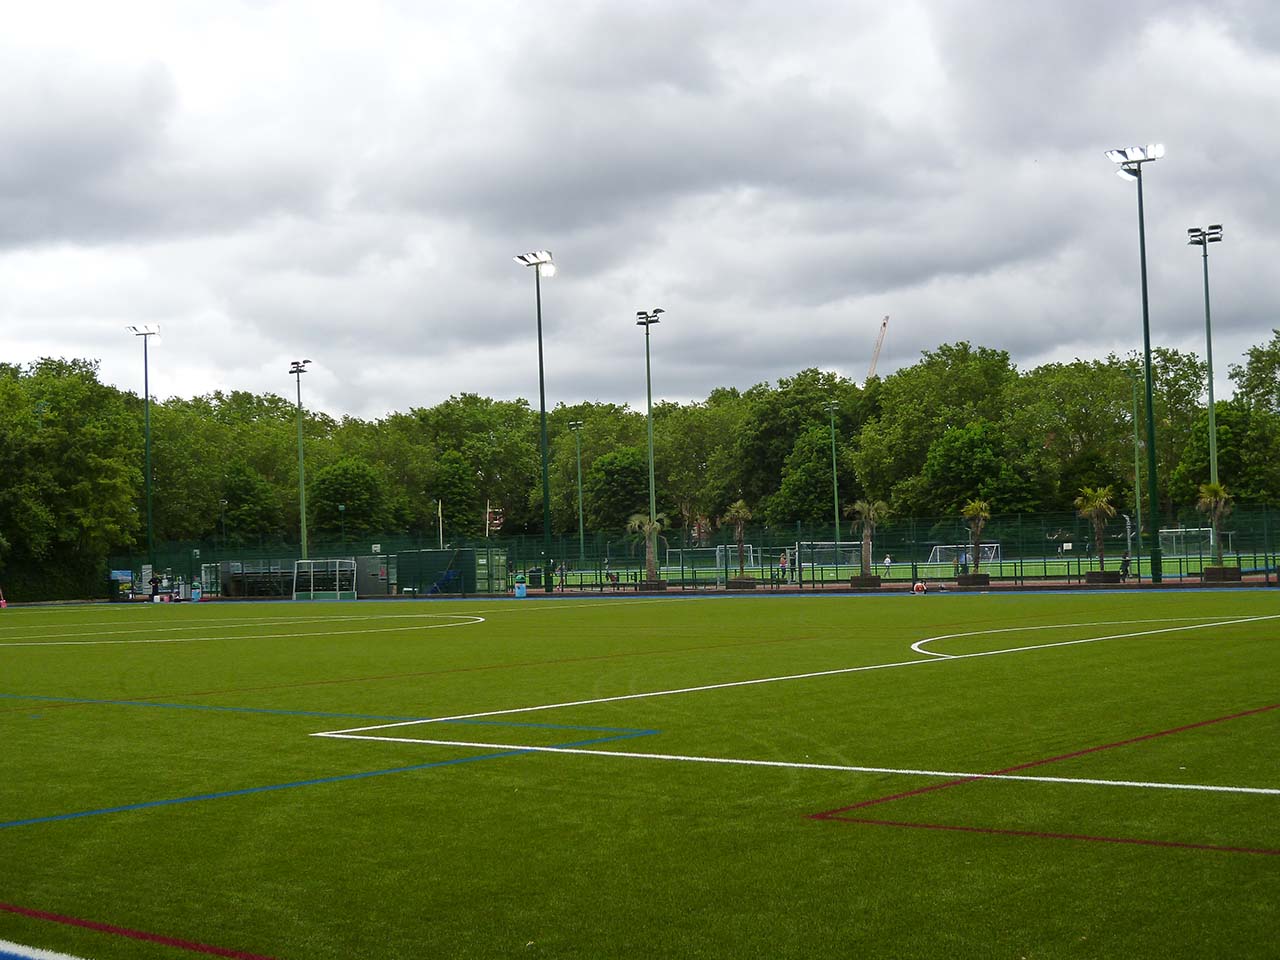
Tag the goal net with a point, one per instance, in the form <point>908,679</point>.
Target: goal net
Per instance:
<point>1186,541</point>
<point>692,558</point>
<point>829,552</point>
<point>727,556</point>
<point>958,552</point>
<point>324,580</point>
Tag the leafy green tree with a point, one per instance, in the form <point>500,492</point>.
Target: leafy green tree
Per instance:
<point>253,512</point>
<point>616,487</point>
<point>1258,381</point>
<point>805,491</point>
<point>1248,438</point>
<point>455,484</point>
<point>1095,505</point>
<point>348,497</point>
<point>951,386</point>
<point>975,457</point>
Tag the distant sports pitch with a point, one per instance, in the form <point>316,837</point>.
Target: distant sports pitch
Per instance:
<point>941,776</point>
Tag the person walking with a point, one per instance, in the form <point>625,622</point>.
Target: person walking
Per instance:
<point>888,565</point>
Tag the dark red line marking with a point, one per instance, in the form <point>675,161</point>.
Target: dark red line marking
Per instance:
<point>831,814</point>
<point>1042,835</point>
<point>133,934</point>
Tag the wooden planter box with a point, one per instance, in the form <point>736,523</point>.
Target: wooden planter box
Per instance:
<point>973,580</point>
<point>1220,575</point>
<point>651,586</point>
<point>740,583</point>
<point>869,582</point>
<point>1102,576</point>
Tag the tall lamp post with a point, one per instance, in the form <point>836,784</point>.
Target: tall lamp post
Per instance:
<point>647,320</point>
<point>222,510</point>
<point>831,407</point>
<point>1131,160</point>
<point>342,518</point>
<point>1134,379</point>
<point>576,427</point>
<point>543,265</point>
<point>1202,237</point>
<point>146,331</point>
<point>298,368</point>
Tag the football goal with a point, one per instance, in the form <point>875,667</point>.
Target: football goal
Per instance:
<point>324,580</point>
<point>827,553</point>
<point>1186,541</point>
<point>958,552</point>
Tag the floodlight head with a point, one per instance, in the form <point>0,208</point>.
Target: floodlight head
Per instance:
<point>1129,173</point>
<point>575,424</point>
<point>299,366</point>
<point>547,269</point>
<point>1116,156</point>
<point>143,329</point>
<point>534,258</point>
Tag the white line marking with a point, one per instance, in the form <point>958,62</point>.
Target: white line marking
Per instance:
<point>35,953</point>
<point>92,631</point>
<point>734,761</point>
<point>466,621</point>
<point>797,676</point>
<point>918,646</point>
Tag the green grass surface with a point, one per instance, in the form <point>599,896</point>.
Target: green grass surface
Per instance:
<point>536,854</point>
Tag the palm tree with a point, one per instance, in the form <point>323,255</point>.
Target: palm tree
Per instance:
<point>1216,502</point>
<point>977,512</point>
<point>649,529</point>
<point>738,514</point>
<point>866,514</point>
<point>1094,503</point>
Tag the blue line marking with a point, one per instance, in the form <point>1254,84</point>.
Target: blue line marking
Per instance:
<point>311,713</point>
<point>251,790</point>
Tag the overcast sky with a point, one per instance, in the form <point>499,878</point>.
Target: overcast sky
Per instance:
<point>348,182</point>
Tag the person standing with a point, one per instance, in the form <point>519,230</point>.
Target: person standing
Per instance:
<point>782,565</point>
<point>888,565</point>
<point>1124,566</point>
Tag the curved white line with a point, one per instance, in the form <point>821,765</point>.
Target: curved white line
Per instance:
<point>918,646</point>
<point>466,621</point>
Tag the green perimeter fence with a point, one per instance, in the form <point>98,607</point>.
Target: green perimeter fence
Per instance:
<point>1019,548</point>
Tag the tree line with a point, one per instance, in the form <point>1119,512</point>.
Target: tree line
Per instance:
<point>962,423</point>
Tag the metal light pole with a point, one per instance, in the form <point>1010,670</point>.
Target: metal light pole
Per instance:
<point>1131,160</point>
<point>1134,378</point>
<point>543,264</point>
<point>1198,237</point>
<point>342,517</point>
<point>222,509</point>
<point>647,320</point>
<point>147,331</point>
<point>576,427</point>
<point>298,368</point>
<point>831,407</point>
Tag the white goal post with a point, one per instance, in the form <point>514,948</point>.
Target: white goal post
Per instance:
<point>957,552</point>
<point>324,580</point>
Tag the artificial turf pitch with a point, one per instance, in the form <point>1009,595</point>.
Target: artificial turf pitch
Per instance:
<point>163,793</point>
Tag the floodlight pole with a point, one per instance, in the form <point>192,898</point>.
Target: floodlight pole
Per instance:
<point>831,408</point>
<point>1202,238</point>
<point>576,427</point>
<point>146,332</point>
<point>647,320</point>
<point>342,517</point>
<point>1137,485</point>
<point>1131,161</point>
<point>298,368</point>
<point>538,260</point>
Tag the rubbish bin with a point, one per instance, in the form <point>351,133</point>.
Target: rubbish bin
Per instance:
<point>196,592</point>
<point>522,589</point>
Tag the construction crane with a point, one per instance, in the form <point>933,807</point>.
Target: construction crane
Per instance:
<point>875,354</point>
